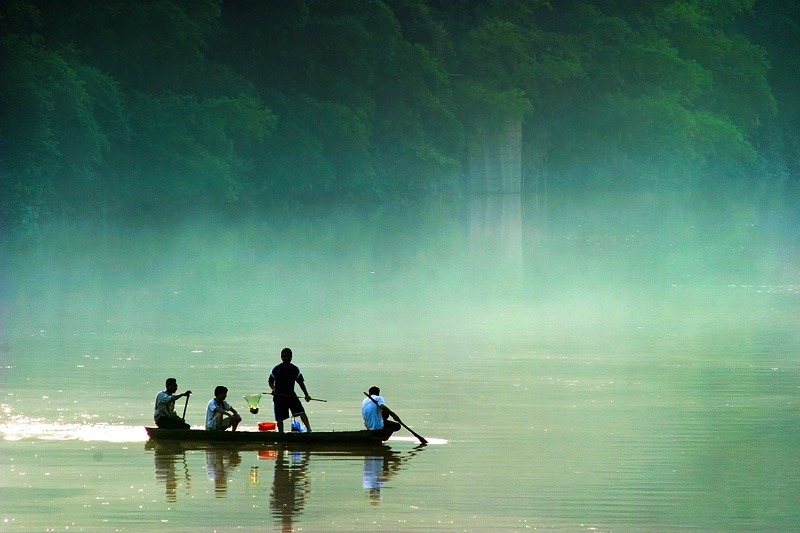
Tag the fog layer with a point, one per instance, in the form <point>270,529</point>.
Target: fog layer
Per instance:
<point>597,265</point>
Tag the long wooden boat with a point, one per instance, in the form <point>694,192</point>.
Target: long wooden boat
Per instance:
<point>358,438</point>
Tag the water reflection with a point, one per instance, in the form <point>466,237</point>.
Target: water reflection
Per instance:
<point>171,470</point>
<point>219,463</point>
<point>379,468</point>
<point>291,481</point>
<point>290,486</point>
<point>377,471</point>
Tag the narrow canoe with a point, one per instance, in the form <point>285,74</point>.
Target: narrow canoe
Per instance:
<point>359,437</point>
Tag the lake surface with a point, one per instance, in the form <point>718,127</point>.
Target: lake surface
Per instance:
<point>620,388</point>
<point>678,413</point>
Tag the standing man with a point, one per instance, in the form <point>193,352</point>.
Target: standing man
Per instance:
<point>281,382</point>
<point>164,413</point>
<point>220,415</point>
<point>376,413</point>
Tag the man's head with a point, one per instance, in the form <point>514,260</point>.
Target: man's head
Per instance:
<point>171,385</point>
<point>220,391</point>
<point>286,355</point>
<point>374,391</point>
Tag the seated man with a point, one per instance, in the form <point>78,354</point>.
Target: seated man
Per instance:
<point>376,413</point>
<point>220,415</point>
<point>164,413</point>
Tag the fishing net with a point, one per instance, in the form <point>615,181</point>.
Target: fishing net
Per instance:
<point>252,402</point>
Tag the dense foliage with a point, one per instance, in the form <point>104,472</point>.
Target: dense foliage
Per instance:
<point>124,110</point>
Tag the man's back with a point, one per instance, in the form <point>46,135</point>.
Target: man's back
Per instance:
<point>373,418</point>
<point>285,376</point>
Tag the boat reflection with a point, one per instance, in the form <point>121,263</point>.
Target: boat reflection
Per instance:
<point>292,471</point>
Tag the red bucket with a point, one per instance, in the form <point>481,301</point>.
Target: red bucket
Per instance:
<point>267,426</point>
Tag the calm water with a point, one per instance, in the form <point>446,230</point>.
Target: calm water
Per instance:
<point>649,412</point>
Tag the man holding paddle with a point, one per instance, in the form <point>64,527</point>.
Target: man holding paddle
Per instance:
<point>164,413</point>
<point>281,383</point>
<point>376,413</point>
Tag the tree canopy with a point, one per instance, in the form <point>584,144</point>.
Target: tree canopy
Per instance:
<point>127,109</point>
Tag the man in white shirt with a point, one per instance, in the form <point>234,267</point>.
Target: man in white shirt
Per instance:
<point>376,413</point>
<point>220,415</point>
<point>164,413</point>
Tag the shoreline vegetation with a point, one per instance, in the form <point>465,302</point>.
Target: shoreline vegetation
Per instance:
<point>119,113</point>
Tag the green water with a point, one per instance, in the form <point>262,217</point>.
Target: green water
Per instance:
<point>675,411</point>
<point>618,386</point>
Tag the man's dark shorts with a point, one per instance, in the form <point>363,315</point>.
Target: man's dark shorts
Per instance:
<point>283,404</point>
<point>171,422</point>
<point>390,424</point>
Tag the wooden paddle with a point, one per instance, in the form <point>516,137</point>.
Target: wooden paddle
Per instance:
<point>417,435</point>
<point>184,409</point>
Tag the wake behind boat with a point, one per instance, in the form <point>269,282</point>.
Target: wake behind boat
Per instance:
<point>344,438</point>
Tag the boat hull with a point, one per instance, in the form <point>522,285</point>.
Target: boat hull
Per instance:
<point>356,438</point>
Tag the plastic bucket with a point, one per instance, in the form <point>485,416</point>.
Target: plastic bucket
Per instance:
<point>267,426</point>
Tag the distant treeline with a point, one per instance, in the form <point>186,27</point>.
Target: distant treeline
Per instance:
<point>142,109</point>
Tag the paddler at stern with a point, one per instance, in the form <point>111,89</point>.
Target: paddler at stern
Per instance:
<point>376,413</point>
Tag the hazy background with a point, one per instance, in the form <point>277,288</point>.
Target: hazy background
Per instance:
<point>354,276</point>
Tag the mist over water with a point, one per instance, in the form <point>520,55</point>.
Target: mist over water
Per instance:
<point>208,275</point>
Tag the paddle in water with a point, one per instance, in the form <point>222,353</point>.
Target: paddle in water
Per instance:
<point>417,435</point>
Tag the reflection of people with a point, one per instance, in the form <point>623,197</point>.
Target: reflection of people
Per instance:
<point>218,463</point>
<point>281,382</point>
<point>220,415</point>
<point>165,471</point>
<point>372,479</point>
<point>289,487</point>
<point>167,457</point>
<point>378,469</point>
<point>164,413</point>
<point>376,413</point>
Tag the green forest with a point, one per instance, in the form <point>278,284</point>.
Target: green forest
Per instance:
<point>126,111</point>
